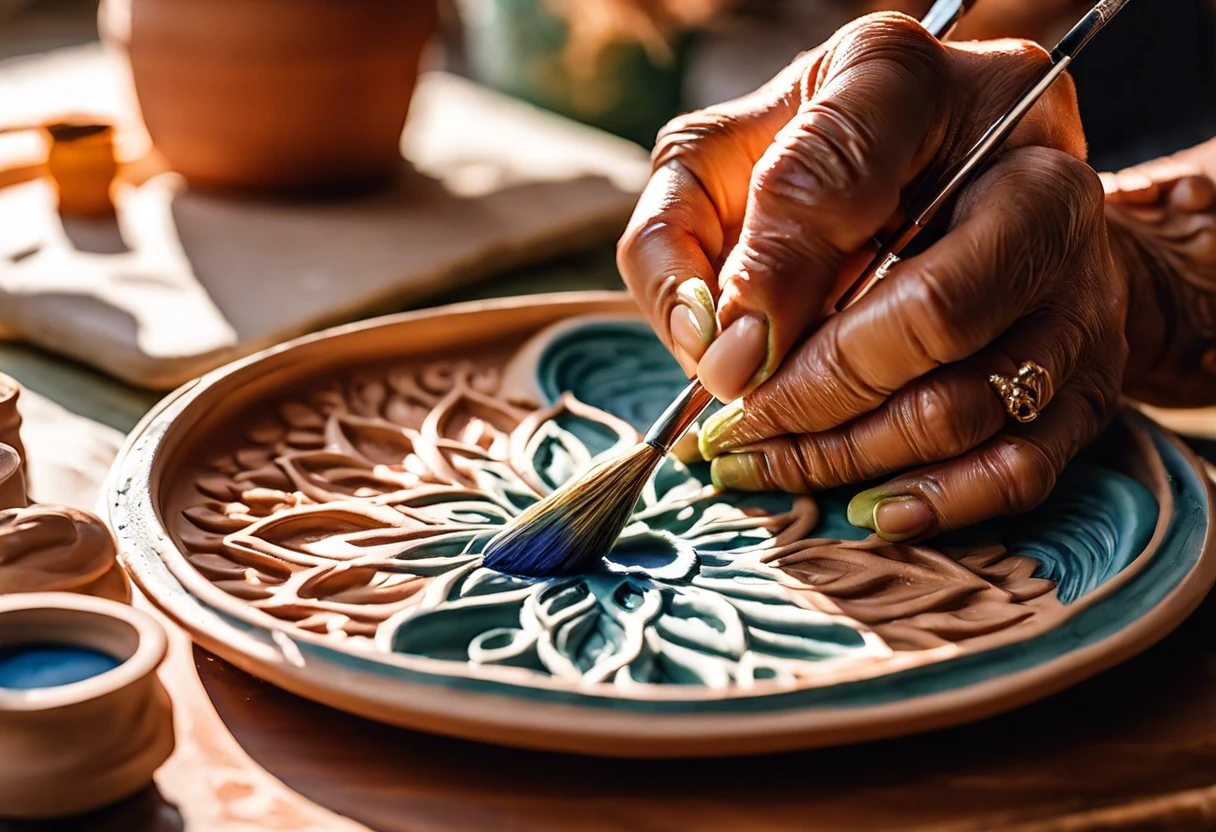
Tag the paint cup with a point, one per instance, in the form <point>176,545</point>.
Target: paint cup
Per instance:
<point>84,721</point>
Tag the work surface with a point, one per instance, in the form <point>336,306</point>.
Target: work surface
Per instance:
<point>1132,749</point>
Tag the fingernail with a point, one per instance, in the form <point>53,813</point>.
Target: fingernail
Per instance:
<point>734,358</point>
<point>894,519</point>
<point>718,433</point>
<point>694,293</point>
<point>735,471</point>
<point>861,508</point>
<point>902,518</point>
<point>693,322</point>
<point>689,339</point>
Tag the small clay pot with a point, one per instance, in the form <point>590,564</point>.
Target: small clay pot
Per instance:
<point>82,165</point>
<point>12,480</point>
<point>10,418</point>
<point>258,94</point>
<point>58,549</point>
<point>95,739</point>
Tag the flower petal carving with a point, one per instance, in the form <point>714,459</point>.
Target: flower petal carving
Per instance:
<point>626,629</point>
<point>553,445</point>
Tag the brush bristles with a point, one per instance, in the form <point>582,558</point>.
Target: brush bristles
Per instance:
<point>574,527</point>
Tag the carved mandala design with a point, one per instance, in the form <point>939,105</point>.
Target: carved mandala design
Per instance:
<point>359,513</point>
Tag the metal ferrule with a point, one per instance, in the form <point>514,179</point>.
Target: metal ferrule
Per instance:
<point>678,417</point>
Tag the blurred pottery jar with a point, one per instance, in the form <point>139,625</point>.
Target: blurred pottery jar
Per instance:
<point>274,94</point>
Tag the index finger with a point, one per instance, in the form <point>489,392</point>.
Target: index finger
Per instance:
<point>693,206</point>
<point>673,237</point>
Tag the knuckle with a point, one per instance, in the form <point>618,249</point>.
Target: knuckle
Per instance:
<point>638,238</point>
<point>1031,57</point>
<point>1003,68</point>
<point>827,460</point>
<point>1074,188</point>
<point>811,162</point>
<point>1021,473</point>
<point>692,134</point>
<point>815,390</point>
<point>935,426</point>
<point>786,470</point>
<point>819,170</point>
<point>889,33</point>
<point>852,387</point>
<point>932,328</point>
<point>1085,190</point>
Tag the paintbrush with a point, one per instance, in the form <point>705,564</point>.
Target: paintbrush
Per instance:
<point>578,524</point>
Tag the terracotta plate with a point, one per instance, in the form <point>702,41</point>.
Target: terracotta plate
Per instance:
<point>315,514</point>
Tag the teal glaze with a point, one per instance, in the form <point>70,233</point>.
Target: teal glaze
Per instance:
<point>1082,537</point>
<point>683,598</point>
<point>711,613</point>
<point>617,366</point>
<point>1093,526</point>
<point>34,666</point>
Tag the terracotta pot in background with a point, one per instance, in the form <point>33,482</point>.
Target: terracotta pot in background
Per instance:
<point>266,94</point>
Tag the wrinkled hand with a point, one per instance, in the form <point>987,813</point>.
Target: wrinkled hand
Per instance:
<point>779,194</point>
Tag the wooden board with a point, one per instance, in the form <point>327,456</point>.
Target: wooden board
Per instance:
<point>182,281</point>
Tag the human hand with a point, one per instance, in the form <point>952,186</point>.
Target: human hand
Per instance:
<point>780,193</point>
<point>1161,218</point>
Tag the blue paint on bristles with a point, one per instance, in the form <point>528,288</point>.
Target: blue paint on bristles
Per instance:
<point>571,530</point>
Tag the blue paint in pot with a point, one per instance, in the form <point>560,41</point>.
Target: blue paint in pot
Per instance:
<point>34,666</point>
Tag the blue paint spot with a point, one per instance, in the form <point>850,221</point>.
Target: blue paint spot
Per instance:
<point>31,666</point>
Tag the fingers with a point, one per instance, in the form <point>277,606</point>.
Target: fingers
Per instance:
<point>1019,232</point>
<point>884,108</point>
<point>674,234</point>
<point>828,183</point>
<point>1185,187</point>
<point>945,414</point>
<point>1010,474</point>
<point>691,211</point>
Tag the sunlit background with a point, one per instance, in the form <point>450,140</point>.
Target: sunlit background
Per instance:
<point>629,65</point>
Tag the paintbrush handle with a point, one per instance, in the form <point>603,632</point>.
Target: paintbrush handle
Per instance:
<point>944,16</point>
<point>694,399</point>
<point>925,207</point>
<point>679,417</point>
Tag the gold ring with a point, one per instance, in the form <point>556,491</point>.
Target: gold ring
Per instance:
<point>1026,394</point>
